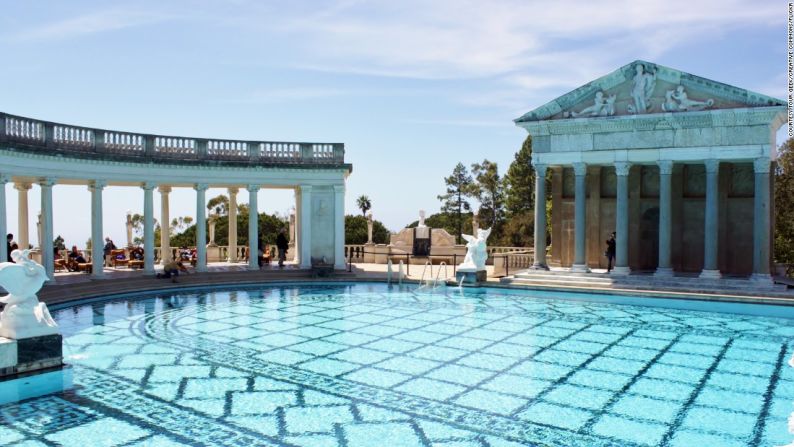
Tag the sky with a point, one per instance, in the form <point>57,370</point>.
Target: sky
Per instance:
<point>411,87</point>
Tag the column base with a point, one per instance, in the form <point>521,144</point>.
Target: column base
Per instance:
<point>663,272</point>
<point>762,279</point>
<point>539,267</point>
<point>621,271</point>
<point>201,269</point>
<point>710,274</point>
<point>580,268</point>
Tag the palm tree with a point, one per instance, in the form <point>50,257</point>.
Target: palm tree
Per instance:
<point>364,204</point>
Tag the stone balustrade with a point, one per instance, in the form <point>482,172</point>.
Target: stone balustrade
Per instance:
<point>31,134</point>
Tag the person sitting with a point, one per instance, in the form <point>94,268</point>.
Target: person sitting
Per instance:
<point>172,269</point>
<point>75,257</point>
<point>136,254</point>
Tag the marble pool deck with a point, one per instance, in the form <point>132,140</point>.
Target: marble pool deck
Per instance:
<point>75,286</point>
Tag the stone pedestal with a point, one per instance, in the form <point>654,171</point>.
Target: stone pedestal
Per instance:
<point>369,253</point>
<point>471,277</point>
<point>381,253</point>
<point>30,354</point>
<point>213,253</point>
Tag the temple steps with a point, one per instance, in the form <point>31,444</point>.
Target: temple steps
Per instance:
<point>644,281</point>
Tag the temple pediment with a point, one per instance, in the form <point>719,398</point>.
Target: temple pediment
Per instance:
<point>642,88</point>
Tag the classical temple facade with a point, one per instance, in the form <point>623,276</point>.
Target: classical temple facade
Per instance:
<point>47,154</point>
<point>679,166</point>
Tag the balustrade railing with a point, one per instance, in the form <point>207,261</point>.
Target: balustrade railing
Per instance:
<point>67,138</point>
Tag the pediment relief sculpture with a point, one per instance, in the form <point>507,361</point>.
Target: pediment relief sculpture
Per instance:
<point>601,107</point>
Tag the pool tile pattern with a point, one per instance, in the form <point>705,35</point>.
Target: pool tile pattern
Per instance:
<point>354,365</point>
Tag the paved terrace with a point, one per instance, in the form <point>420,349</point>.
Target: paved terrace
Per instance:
<point>75,286</point>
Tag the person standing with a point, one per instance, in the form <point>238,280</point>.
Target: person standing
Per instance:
<point>9,243</point>
<point>282,244</point>
<point>107,250</point>
<point>610,253</point>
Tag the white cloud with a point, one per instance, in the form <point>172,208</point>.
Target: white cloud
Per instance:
<point>91,23</point>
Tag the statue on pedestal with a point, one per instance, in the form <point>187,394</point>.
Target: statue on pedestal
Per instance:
<point>212,220</point>
<point>24,316</point>
<point>476,252</point>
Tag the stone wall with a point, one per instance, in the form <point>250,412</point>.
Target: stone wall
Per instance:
<point>688,204</point>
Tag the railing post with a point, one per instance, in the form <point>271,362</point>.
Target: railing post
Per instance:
<point>99,140</point>
<point>307,154</point>
<point>2,126</point>
<point>148,146</point>
<point>339,152</point>
<point>201,148</point>
<point>253,151</point>
<point>49,134</point>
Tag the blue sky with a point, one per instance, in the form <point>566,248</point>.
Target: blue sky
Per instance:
<point>410,87</point>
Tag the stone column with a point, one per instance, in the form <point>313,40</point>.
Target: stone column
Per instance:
<point>148,227</point>
<point>232,255</point>
<point>664,267</point>
<point>580,195</point>
<point>540,218</point>
<point>291,255</point>
<point>253,227</point>
<point>129,229</point>
<point>339,227</point>
<point>201,227</point>
<point>165,225</point>
<point>97,254</point>
<point>711,233</point>
<point>761,222</point>
<point>298,233</point>
<point>3,223</point>
<point>47,255</point>
<point>622,219</point>
<point>305,216</point>
<point>23,238</point>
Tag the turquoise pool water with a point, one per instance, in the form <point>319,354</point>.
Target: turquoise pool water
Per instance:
<point>369,365</point>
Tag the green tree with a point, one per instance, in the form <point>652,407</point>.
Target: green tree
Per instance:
<point>364,204</point>
<point>59,243</point>
<point>356,231</point>
<point>268,227</point>
<point>784,204</point>
<point>459,188</point>
<point>137,229</point>
<point>180,223</point>
<point>447,221</point>
<point>520,181</point>
<point>489,190</point>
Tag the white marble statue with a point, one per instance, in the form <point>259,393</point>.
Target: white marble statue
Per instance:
<point>370,224</point>
<point>678,101</point>
<point>24,316</point>
<point>422,218</point>
<point>641,91</point>
<point>476,251</point>
<point>601,106</point>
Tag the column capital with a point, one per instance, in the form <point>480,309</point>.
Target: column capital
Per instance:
<point>252,188</point>
<point>305,188</point>
<point>580,169</point>
<point>339,189</point>
<point>148,186</point>
<point>665,167</point>
<point>622,168</point>
<point>4,178</point>
<point>22,186</point>
<point>47,182</point>
<point>712,166</point>
<point>97,184</point>
<point>200,186</point>
<point>540,169</point>
<point>762,165</point>
<point>233,190</point>
<point>164,189</point>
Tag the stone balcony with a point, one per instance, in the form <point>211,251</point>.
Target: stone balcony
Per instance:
<point>32,135</point>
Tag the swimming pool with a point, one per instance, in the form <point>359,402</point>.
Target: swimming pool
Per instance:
<point>372,365</point>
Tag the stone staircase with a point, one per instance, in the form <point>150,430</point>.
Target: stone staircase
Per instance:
<point>558,278</point>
